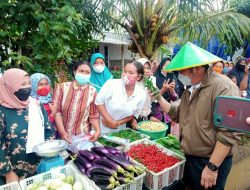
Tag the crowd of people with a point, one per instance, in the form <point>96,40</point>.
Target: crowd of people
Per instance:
<point>94,103</point>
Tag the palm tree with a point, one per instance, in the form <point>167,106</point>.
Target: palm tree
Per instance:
<point>152,23</point>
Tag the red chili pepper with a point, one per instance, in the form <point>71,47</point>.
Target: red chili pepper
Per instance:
<point>152,157</point>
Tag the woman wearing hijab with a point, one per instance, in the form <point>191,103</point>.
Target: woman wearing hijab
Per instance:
<point>77,114</point>
<point>99,72</point>
<point>40,90</point>
<point>23,124</point>
<point>146,110</point>
<point>166,83</point>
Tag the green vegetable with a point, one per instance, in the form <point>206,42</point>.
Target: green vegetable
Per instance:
<point>150,86</point>
<point>128,134</point>
<point>103,141</point>
<point>172,143</point>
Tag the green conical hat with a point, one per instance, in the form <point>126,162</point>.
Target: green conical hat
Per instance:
<point>189,56</point>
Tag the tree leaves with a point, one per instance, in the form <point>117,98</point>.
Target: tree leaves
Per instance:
<point>45,32</point>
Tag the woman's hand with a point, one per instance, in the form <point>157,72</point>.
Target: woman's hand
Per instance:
<point>65,136</point>
<point>152,118</point>
<point>11,177</point>
<point>94,137</point>
<point>172,87</point>
<point>134,124</point>
<point>165,86</point>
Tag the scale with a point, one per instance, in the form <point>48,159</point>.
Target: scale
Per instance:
<point>53,153</point>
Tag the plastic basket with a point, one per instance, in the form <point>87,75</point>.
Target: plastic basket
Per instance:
<point>156,181</point>
<point>10,186</point>
<point>137,185</point>
<point>67,170</point>
<point>153,134</point>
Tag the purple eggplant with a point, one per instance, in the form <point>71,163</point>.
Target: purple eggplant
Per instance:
<point>103,178</point>
<point>113,150</point>
<point>84,161</point>
<point>122,161</point>
<point>87,154</point>
<point>100,169</point>
<point>81,168</point>
<point>108,163</point>
<point>104,186</point>
<point>95,155</point>
<point>100,151</point>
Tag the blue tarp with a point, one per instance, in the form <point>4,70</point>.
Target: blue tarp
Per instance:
<point>215,48</point>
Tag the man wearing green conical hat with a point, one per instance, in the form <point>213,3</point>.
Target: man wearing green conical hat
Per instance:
<point>207,149</point>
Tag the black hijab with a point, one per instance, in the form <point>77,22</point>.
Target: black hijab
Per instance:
<point>160,78</point>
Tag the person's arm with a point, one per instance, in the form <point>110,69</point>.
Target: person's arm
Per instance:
<point>94,119</point>
<point>6,168</point>
<point>107,118</point>
<point>208,177</point>
<point>165,105</point>
<point>244,82</point>
<point>57,98</point>
<point>125,120</point>
<point>60,127</point>
<point>225,139</point>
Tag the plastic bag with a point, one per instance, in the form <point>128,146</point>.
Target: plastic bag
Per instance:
<point>80,142</point>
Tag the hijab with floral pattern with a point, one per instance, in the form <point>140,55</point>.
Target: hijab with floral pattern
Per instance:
<point>35,79</point>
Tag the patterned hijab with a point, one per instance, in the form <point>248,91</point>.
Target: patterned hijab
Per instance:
<point>99,78</point>
<point>35,79</point>
<point>11,82</point>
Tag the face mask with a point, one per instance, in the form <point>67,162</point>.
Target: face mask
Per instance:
<point>241,67</point>
<point>99,68</point>
<point>217,70</point>
<point>43,91</point>
<point>82,79</point>
<point>225,70</point>
<point>23,93</point>
<point>127,81</point>
<point>186,81</point>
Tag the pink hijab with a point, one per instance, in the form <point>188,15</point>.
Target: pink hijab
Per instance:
<point>10,82</point>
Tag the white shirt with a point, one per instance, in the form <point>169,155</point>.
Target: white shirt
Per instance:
<point>113,95</point>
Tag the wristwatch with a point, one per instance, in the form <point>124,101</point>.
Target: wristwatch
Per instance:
<point>212,166</point>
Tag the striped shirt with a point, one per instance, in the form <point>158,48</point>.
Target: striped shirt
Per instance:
<point>76,105</point>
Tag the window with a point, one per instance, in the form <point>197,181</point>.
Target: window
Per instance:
<point>106,55</point>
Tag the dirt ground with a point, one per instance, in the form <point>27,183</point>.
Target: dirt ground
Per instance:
<point>242,150</point>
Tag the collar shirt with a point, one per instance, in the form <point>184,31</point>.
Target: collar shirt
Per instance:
<point>117,103</point>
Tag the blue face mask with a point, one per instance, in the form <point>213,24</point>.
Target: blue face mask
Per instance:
<point>225,70</point>
<point>82,79</point>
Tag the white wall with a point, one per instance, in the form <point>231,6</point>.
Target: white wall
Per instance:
<point>115,51</point>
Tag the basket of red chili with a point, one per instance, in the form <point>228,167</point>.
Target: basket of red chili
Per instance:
<point>163,165</point>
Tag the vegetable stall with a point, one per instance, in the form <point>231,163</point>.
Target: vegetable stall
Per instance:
<point>111,165</point>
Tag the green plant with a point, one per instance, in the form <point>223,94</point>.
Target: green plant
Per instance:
<point>116,74</point>
<point>38,35</point>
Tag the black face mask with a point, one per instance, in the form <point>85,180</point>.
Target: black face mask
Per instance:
<point>23,94</point>
<point>240,67</point>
